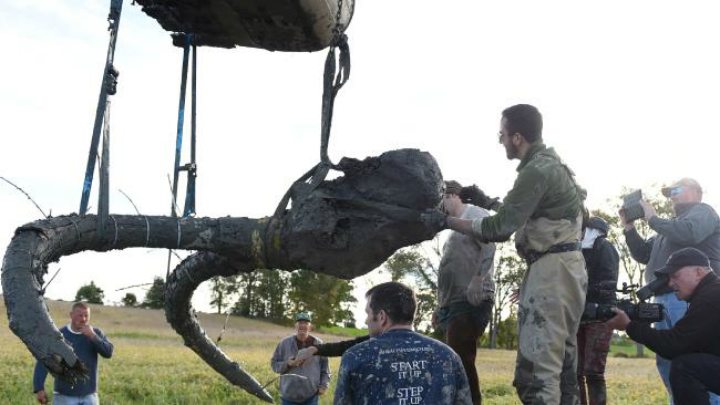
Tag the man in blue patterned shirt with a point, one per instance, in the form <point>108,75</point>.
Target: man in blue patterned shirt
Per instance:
<point>397,365</point>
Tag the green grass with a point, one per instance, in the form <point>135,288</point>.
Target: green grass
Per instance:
<point>342,331</point>
<point>627,348</point>
<point>151,365</point>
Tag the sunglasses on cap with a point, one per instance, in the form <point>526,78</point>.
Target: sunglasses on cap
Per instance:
<point>675,191</point>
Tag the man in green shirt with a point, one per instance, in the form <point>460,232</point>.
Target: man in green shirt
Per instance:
<point>544,210</point>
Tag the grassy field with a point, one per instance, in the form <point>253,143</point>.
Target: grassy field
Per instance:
<point>151,365</point>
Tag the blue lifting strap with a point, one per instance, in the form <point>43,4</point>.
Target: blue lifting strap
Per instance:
<point>107,89</point>
<point>190,168</point>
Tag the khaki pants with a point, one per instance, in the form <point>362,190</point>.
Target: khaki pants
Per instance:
<point>552,299</point>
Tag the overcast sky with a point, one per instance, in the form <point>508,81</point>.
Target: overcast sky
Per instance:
<point>628,90</point>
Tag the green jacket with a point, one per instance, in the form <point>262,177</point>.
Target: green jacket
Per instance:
<point>545,187</point>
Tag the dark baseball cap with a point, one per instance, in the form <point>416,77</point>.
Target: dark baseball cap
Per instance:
<point>681,258</point>
<point>598,223</point>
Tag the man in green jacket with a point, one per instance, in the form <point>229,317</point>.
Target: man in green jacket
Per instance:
<point>544,210</point>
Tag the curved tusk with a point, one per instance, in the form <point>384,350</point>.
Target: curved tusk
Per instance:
<point>28,315</point>
<point>41,242</point>
<point>181,285</point>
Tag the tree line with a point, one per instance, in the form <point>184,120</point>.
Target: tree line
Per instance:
<point>264,294</point>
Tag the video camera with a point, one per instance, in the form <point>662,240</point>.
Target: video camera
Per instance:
<point>659,286</point>
<point>641,311</point>
<point>631,207</point>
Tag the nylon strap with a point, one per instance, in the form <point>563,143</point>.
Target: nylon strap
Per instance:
<point>107,88</point>
<point>335,75</point>
<point>189,209</point>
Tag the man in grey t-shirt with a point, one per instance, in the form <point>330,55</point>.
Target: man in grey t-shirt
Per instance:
<point>465,286</point>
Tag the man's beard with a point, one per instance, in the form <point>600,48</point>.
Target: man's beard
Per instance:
<point>375,331</point>
<point>511,151</point>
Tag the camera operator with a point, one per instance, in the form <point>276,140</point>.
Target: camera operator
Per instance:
<point>693,344</point>
<point>695,224</point>
<point>593,339</point>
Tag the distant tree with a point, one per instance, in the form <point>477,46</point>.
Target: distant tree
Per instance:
<point>272,295</point>
<point>406,264</point>
<point>262,294</point>
<point>507,336</point>
<point>418,266</point>
<point>247,301</point>
<point>221,291</point>
<point>155,297</point>
<point>426,306</point>
<point>129,300</point>
<point>90,293</point>
<point>414,263</point>
<point>328,298</point>
<point>509,272</point>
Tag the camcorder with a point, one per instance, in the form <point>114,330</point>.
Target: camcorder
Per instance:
<point>631,207</point>
<point>659,286</point>
<point>642,311</point>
